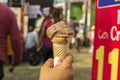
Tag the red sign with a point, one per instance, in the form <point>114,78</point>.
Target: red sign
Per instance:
<point>106,57</point>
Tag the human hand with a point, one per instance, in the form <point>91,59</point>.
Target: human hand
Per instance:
<point>63,71</point>
<point>38,49</point>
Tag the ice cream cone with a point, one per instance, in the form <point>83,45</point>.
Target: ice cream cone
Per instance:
<point>61,35</point>
<point>60,47</point>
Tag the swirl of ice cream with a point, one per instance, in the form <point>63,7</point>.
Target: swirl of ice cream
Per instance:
<point>59,28</point>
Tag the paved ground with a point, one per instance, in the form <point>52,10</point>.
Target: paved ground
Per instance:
<point>82,66</point>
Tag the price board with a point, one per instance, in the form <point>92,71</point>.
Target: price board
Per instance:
<point>106,57</point>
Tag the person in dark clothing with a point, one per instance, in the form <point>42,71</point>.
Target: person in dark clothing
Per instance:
<point>44,41</point>
<point>75,26</point>
<point>8,26</point>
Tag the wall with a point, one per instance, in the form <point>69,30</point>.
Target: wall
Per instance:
<point>76,10</point>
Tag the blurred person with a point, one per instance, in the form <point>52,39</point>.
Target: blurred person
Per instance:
<point>31,39</point>
<point>8,26</point>
<point>73,39</point>
<point>40,19</point>
<point>31,54</point>
<point>80,34</point>
<point>76,40</point>
<point>46,12</point>
<point>46,49</point>
<point>30,43</point>
<point>63,71</point>
<point>90,36</point>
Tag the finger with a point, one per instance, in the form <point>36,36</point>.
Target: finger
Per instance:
<point>68,59</point>
<point>49,63</point>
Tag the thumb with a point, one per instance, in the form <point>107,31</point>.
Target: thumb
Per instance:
<point>49,63</point>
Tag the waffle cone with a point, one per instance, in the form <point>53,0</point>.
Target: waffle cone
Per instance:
<point>60,50</point>
<point>61,46</point>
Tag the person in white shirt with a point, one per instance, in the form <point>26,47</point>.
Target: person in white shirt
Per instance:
<point>31,39</point>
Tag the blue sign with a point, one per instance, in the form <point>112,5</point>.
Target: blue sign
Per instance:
<point>105,3</point>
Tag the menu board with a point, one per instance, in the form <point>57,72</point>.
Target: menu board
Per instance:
<point>106,57</point>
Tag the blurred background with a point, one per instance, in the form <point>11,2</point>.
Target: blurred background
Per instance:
<point>78,13</point>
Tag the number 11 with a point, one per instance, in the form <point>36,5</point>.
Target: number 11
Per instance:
<point>112,59</point>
